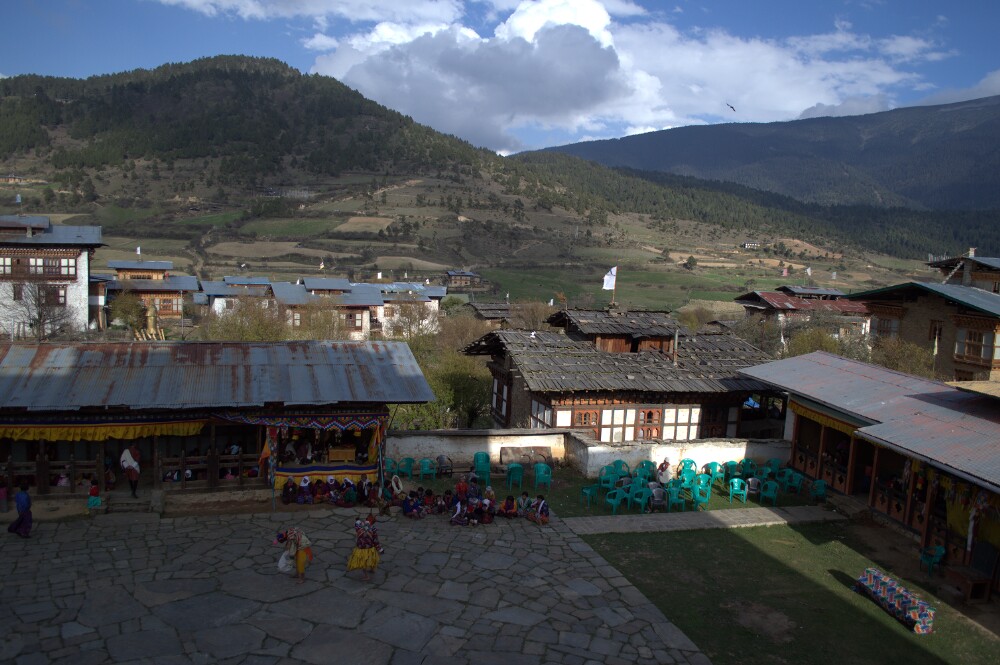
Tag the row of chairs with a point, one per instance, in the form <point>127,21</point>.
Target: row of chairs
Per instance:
<point>425,467</point>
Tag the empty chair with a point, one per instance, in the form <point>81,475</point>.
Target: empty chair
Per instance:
<point>515,474</point>
<point>748,467</point>
<point>716,470</point>
<point>818,490</point>
<point>688,464</point>
<point>783,477</point>
<point>482,468</point>
<point>753,486</point>
<point>607,478</point>
<point>774,464</point>
<point>427,468</point>
<point>445,466</point>
<point>769,490</point>
<point>543,475</point>
<point>614,498</point>
<point>589,492</point>
<point>480,458</point>
<point>931,556</point>
<point>390,467</point>
<point>645,473</point>
<point>738,489</point>
<point>639,496</point>
<point>701,495</point>
<point>675,498</point>
<point>704,480</point>
<point>687,479</point>
<point>795,482</point>
<point>658,499</point>
<point>405,467</point>
<point>621,467</point>
<point>732,470</point>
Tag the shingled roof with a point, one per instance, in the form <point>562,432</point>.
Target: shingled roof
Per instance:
<point>551,362</point>
<point>616,322</point>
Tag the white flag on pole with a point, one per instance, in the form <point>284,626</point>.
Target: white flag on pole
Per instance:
<point>834,276</point>
<point>17,199</point>
<point>809,272</point>
<point>552,302</point>
<point>609,279</point>
<point>138,251</point>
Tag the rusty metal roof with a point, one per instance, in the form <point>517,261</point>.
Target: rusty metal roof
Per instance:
<point>782,302</point>
<point>551,362</point>
<point>968,296</point>
<point>207,375</point>
<point>951,429</point>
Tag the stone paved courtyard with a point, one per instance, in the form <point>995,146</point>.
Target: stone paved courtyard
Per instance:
<point>137,588</point>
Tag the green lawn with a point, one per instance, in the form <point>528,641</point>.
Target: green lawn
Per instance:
<point>290,228</point>
<point>783,595</point>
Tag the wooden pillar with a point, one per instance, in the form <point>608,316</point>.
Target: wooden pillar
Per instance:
<point>157,476</point>
<point>931,498</point>
<point>871,488</point>
<point>42,469</point>
<point>213,463</point>
<point>850,467</point>
<point>909,493</point>
<point>819,455</point>
<point>72,474</point>
<point>796,421</point>
<point>101,473</point>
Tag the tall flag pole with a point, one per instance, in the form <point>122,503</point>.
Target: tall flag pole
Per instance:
<point>610,282</point>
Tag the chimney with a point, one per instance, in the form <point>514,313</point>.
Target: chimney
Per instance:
<point>967,272</point>
<point>972,252</point>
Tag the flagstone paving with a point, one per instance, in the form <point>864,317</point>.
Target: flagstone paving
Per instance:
<point>137,588</point>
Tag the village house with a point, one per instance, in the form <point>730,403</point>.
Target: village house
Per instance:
<point>220,297</point>
<point>959,324</point>
<point>546,379</point>
<point>788,305</point>
<point>44,275</point>
<point>153,284</point>
<point>497,314</point>
<point>981,272</point>
<point>459,279</point>
<point>920,452</point>
<point>620,331</point>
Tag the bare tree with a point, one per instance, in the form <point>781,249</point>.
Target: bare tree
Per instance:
<point>39,310</point>
<point>531,315</point>
<point>128,308</point>
<point>250,320</point>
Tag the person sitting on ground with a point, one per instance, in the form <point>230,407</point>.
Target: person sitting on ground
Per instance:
<point>489,511</point>
<point>474,511</point>
<point>321,490</point>
<point>350,496</point>
<point>473,476</point>
<point>488,493</point>
<point>539,511</point>
<point>290,492</point>
<point>508,508</point>
<point>429,500</point>
<point>412,507</point>
<point>523,504</point>
<point>444,502</point>
<point>305,491</point>
<point>458,515</point>
<point>474,491</point>
<point>462,488</point>
<point>364,490</point>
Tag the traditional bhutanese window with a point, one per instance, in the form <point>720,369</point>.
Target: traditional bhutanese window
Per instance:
<point>53,296</point>
<point>541,415</point>
<point>976,344</point>
<point>886,327</point>
<point>5,265</point>
<point>680,423</point>
<point>617,425</point>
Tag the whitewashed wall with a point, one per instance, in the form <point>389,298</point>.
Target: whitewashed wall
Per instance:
<point>462,445</point>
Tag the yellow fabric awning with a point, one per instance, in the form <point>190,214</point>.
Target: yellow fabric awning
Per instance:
<point>124,431</point>
<point>823,419</point>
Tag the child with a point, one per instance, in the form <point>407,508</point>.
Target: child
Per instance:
<point>444,503</point>
<point>462,489</point>
<point>412,506</point>
<point>539,511</point>
<point>474,512</point>
<point>429,500</point>
<point>523,504</point>
<point>489,510</point>
<point>508,508</point>
<point>94,500</point>
<point>474,492</point>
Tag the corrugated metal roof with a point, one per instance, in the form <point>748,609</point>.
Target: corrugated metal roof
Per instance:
<point>141,265</point>
<point>287,293</point>
<point>551,362</point>
<point>86,236</point>
<point>207,375</point>
<point>327,283</point>
<point>787,303</point>
<point>967,296</point>
<point>952,429</point>
<point>171,284</point>
<point>224,290</point>
<point>24,222</point>
<point>461,273</point>
<point>988,261</point>
<point>360,298</point>
<point>616,322</point>
<point>246,281</point>
<point>805,291</point>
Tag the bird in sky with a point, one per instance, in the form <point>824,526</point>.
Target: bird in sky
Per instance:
<point>731,106</point>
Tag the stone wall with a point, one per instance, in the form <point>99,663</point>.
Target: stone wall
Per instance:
<point>578,448</point>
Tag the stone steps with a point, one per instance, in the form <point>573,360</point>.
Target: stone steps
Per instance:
<point>126,504</point>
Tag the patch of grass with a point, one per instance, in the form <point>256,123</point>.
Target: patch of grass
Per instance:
<point>783,595</point>
<point>290,228</point>
<point>216,219</point>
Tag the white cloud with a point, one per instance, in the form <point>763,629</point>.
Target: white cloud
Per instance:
<point>849,106</point>
<point>320,42</point>
<point>531,17</point>
<point>350,10</point>
<point>988,86</point>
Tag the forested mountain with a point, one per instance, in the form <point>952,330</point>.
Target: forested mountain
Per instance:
<point>938,157</point>
<point>228,128</point>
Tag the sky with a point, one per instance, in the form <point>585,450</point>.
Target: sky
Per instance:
<point>514,75</point>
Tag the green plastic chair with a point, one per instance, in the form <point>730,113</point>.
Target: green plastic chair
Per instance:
<point>818,490</point>
<point>774,464</point>
<point>543,475</point>
<point>640,496</point>
<point>674,498</point>
<point>515,474</point>
<point>732,470</point>
<point>607,478</point>
<point>589,492</point>
<point>738,489</point>
<point>764,473</point>
<point>615,498</point>
<point>482,469</point>
<point>390,467</point>
<point>715,470</point>
<point>405,467</point>
<point>795,482</point>
<point>621,468</point>
<point>748,467</point>
<point>480,458</point>
<point>676,484</point>
<point>783,477</point>
<point>769,490</point>
<point>701,495</point>
<point>688,479</point>
<point>644,473</point>
<point>427,468</point>
<point>688,463</point>
<point>931,556</point>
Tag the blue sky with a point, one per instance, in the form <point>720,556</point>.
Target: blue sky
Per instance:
<point>520,74</point>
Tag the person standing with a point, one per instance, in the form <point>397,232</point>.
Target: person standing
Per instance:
<point>299,547</point>
<point>365,556</point>
<point>22,525</point>
<point>130,467</point>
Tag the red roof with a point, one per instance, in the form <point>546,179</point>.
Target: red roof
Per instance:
<point>785,303</point>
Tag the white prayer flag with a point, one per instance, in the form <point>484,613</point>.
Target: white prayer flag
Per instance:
<point>809,271</point>
<point>784,272</point>
<point>138,251</point>
<point>17,199</point>
<point>609,279</point>
<point>322,266</point>
<point>834,275</point>
<point>552,302</point>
